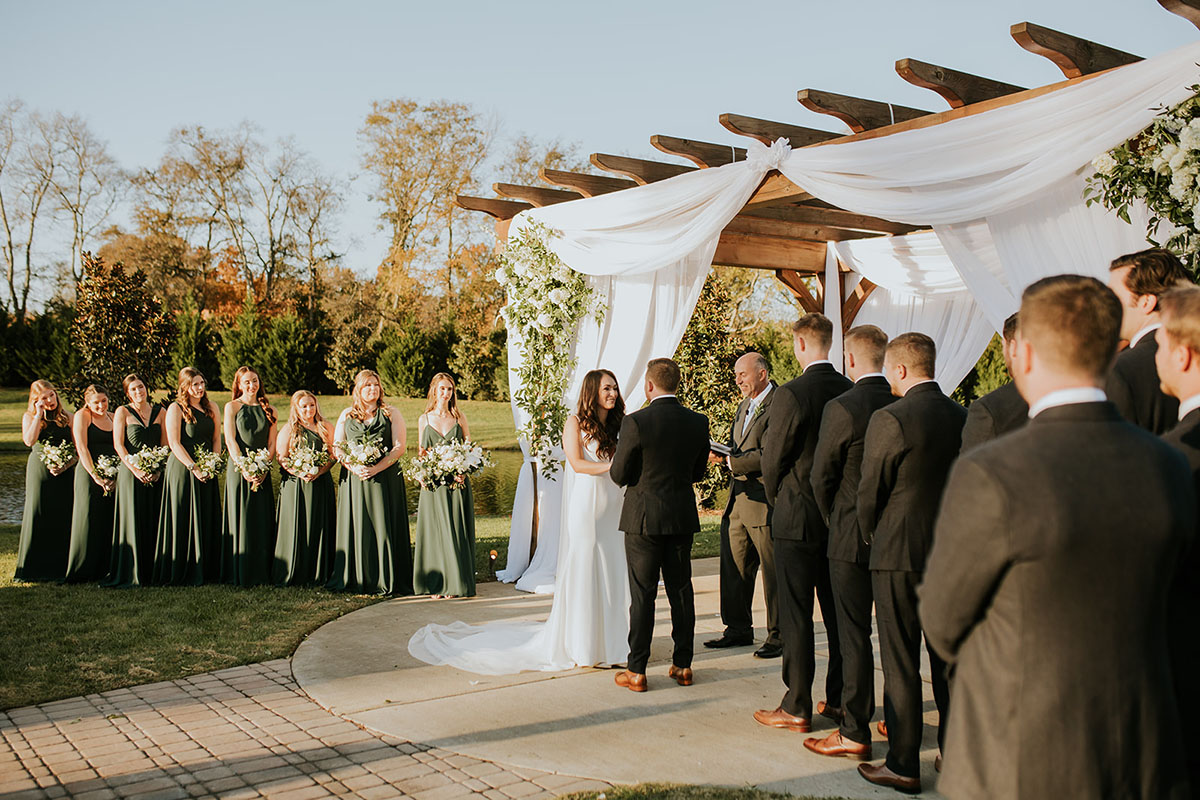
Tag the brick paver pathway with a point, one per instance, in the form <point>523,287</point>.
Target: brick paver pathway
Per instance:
<point>237,733</point>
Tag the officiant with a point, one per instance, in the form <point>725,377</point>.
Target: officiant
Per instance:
<point>745,530</point>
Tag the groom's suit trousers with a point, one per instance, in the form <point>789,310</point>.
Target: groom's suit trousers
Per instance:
<point>648,557</point>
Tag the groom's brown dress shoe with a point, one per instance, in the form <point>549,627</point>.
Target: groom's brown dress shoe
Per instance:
<point>681,675</point>
<point>829,712</point>
<point>632,681</point>
<point>836,745</point>
<point>782,719</point>
<point>882,776</point>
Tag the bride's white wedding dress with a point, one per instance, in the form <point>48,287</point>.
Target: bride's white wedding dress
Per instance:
<point>589,618</point>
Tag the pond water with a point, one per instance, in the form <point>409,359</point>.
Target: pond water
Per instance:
<point>493,489</point>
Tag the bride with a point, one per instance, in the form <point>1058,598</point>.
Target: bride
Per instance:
<point>589,618</point>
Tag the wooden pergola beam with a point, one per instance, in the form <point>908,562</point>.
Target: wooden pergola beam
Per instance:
<point>793,281</point>
<point>769,252</point>
<point>1074,56</point>
<point>638,169</point>
<point>855,301</point>
<point>702,154</point>
<point>497,209</point>
<point>1188,9</point>
<point>832,218</point>
<point>767,131</point>
<point>859,114</point>
<point>762,226</point>
<point>776,190</point>
<point>537,195</point>
<point>586,185</point>
<point>956,88</point>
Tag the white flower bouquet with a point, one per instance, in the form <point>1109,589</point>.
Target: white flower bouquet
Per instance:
<point>208,463</point>
<point>107,467</point>
<point>305,461</point>
<point>253,464</point>
<point>362,452</point>
<point>447,463</point>
<point>150,460</point>
<point>57,456</point>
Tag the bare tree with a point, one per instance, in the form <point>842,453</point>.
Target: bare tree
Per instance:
<point>87,183</point>
<point>29,161</point>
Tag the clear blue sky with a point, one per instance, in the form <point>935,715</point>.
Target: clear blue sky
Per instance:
<point>607,75</point>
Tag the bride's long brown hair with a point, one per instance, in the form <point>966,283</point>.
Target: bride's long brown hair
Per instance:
<point>588,412</point>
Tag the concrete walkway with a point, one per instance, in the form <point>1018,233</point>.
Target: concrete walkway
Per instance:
<point>353,715</point>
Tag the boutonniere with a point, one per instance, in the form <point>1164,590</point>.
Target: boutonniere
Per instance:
<point>758,409</point>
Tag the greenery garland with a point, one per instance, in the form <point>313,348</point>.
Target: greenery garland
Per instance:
<point>546,302</point>
<point>1160,167</point>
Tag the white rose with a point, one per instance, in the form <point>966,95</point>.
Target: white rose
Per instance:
<point>558,297</point>
<point>502,276</point>
<point>548,360</point>
<point>520,268</point>
<point>1104,163</point>
<point>544,321</point>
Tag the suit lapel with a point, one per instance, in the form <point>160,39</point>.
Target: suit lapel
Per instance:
<point>742,431</point>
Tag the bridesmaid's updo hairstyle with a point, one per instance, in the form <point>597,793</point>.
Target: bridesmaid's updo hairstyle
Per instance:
<point>260,397</point>
<point>39,388</point>
<point>92,392</point>
<point>588,412</point>
<point>186,376</point>
<point>358,408</point>
<point>294,414</point>
<point>131,379</point>
<point>451,406</point>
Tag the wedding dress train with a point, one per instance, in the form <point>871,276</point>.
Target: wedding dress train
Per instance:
<point>589,617</point>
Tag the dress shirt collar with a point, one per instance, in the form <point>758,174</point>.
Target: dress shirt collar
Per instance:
<point>812,364</point>
<point>862,378</point>
<point>1137,337</point>
<point>758,398</point>
<point>663,397</point>
<point>1189,405</point>
<point>1067,397</point>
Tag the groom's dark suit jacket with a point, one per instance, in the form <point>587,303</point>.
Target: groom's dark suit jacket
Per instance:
<point>661,451</point>
<point>1133,387</point>
<point>996,413</point>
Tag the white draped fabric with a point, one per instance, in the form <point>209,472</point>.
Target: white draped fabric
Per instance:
<point>1001,189</point>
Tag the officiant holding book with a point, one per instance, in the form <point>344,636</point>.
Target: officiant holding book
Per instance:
<point>745,530</point>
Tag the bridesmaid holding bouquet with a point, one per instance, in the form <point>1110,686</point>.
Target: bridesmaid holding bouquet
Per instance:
<point>95,480</point>
<point>137,430</point>
<point>307,504</point>
<point>46,522</point>
<point>444,561</point>
<point>187,548</point>
<point>248,534</point>
<point>373,553</point>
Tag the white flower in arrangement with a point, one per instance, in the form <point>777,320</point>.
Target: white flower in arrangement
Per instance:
<point>520,267</point>
<point>254,464</point>
<point>545,321</point>
<point>1104,164</point>
<point>150,460</point>
<point>1176,160</point>
<point>107,468</point>
<point>304,461</point>
<point>207,462</point>
<point>548,360</point>
<point>1189,136</point>
<point>448,464</point>
<point>57,456</point>
<point>558,296</point>
<point>362,452</point>
<point>502,276</point>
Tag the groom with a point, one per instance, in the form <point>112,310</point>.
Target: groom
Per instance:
<point>661,451</point>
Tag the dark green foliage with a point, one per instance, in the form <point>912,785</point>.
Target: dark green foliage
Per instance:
<point>988,374</point>
<point>706,356</point>
<point>242,342</point>
<point>41,348</point>
<point>774,341</point>
<point>477,361</point>
<point>350,351</point>
<point>119,327</point>
<point>291,356</point>
<point>196,344</point>
<point>411,356</point>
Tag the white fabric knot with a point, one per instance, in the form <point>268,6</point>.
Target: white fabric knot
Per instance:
<point>759,156</point>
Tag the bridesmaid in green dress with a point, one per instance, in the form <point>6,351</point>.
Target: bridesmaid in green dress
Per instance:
<point>136,426</point>
<point>187,547</point>
<point>46,523</point>
<point>92,517</point>
<point>307,505</point>
<point>248,532</point>
<point>444,560</point>
<point>373,554</point>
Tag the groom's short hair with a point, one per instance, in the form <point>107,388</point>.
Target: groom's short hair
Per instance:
<point>1073,323</point>
<point>868,343</point>
<point>815,328</point>
<point>663,373</point>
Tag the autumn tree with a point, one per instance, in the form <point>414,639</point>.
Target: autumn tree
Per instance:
<point>119,327</point>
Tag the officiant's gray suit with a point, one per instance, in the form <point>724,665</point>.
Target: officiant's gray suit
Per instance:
<point>746,529</point>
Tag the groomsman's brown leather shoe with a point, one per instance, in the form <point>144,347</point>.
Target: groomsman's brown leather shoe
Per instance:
<point>882,776</point>
<point>837,745</point>
<point>781,719</point>
<point>829,712</point>
<point>633,681</point>
<point>881,726</point>
<point>681,675</point>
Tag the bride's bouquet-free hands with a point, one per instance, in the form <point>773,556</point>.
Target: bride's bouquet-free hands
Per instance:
<point>448,464</point>
<point>254,465</point>
<point>305,461</point>
<point>57,457</point>
<point>149,461</point>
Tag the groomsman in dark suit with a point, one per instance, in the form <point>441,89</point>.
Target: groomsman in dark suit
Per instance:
<point>1001,410</point>
<point>745,531</point>
<point>1178,361</point>
<point>798,529</point>
<point>1138,279</point>
<point>661,451</point>
<point>1047,587</point>
<point>837,466</point>
<point>909,448</point>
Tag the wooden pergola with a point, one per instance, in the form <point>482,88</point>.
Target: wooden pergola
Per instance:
<point>782,228</point>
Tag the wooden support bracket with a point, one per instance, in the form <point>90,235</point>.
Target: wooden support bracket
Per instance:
<point>766,131</point>
<point>537,195</point>
<point>855,301</point>
<point>498,209</point>
<point>859,114</point>
<point>586,185</point>
<point>1188,9</point>
<point>1074,56</point>
<point>702,154</point>
<point>957,88</point>
<point>793,281</point>
<point>638,169</point>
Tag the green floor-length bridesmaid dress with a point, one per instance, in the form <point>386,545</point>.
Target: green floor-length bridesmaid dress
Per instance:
<point>373,554</point>
<point>248,529</point>
<point>307,520</point>
<point>92,517</point>
<point>444,557</point>
<point>46,522</point>
<point>135,523</point>
<point>187,546</point>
